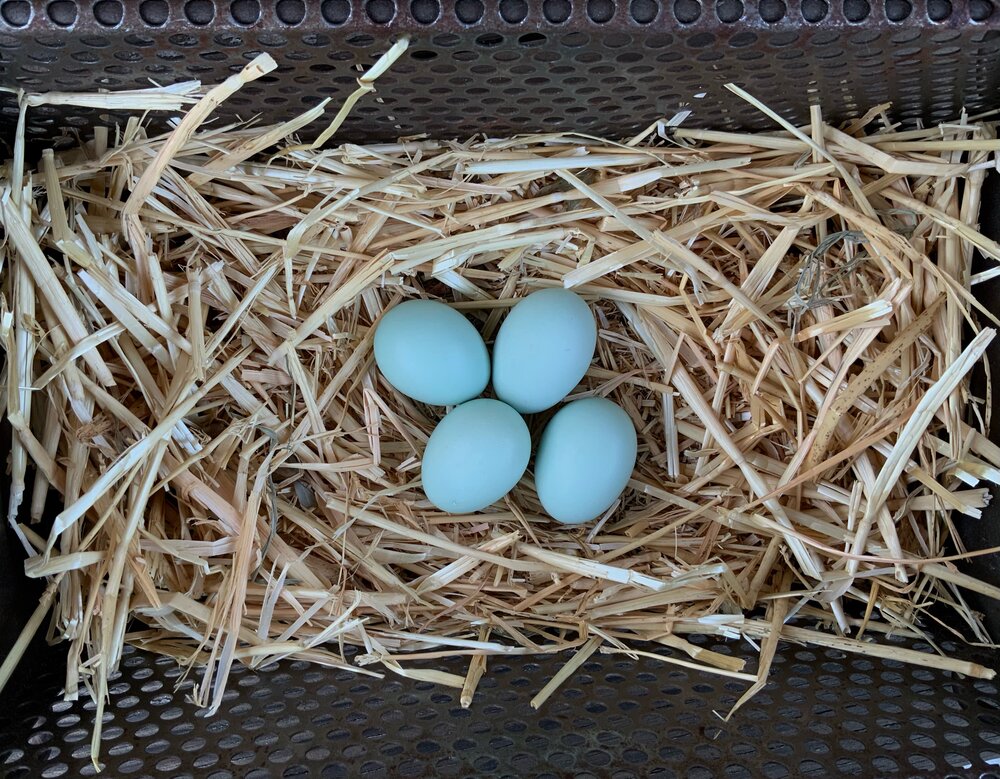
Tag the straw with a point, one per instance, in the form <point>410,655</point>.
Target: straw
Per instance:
<point>188,329</point>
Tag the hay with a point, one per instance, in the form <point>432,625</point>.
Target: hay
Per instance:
<point>188,319</point>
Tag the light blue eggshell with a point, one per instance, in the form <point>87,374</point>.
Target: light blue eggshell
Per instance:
<point>543,349</point>
<point>475,455</point>
<point>585,458</point>
<point>431,353</point>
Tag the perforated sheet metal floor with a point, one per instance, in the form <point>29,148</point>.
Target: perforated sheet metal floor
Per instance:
<point>826,714</point>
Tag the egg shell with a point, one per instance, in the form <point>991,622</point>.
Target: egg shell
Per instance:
<point>431,353</point>
<point>585,458</point>
<point>475,455</point>
<point>543,349</point>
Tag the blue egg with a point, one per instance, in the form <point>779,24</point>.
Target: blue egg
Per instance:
<point>475,455</point>
<point>543,349</point>
<point>431,353</point>
<point>585,459</point>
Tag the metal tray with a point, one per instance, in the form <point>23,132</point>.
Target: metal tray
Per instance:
<point>607,67</point>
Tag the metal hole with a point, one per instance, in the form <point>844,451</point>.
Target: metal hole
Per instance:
<point>109,13</point>
<point>489,39</point>
<point>62,13</point>
<point>469,11</point>
<point>729,11</point>
<point>228,39</point>
<point>772,11</point>
<point>600,11</point>
<point>772,770</point>
<point>199,12</point>
<point>513,11</point>
<point>856,10</point>
<point>290,12</point>
<point>187,40</point>
<point>687,11</point>
<point>425,11</point>
<point>245,12</point>
<point>815,10</point>
<point>532,39</point>
<point>336,12</point>
<point>980,10</point>
<point>938,10</point>
<point>557,11</point>
<point>17,13</point>
<point>643,11</point>
<point>380,11</point>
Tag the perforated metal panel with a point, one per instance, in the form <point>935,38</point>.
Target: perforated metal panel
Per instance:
<point>503,66</point>
<point>507,66</point>
<point>826,714</point>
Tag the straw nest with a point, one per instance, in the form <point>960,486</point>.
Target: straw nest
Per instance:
<point>188,329</point>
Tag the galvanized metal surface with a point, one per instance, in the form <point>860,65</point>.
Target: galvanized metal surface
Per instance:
<point>505,66</point>
<point>826,714</point>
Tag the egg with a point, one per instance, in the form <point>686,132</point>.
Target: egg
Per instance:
<point>431,353</point>
<point>475,455</point>
<point>543,349</point>
<point>585,458</point>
